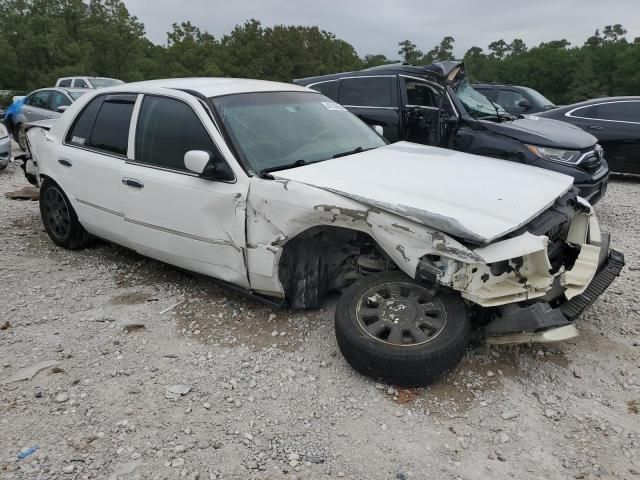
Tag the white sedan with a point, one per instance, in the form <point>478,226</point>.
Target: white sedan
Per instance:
<point>279,191</point>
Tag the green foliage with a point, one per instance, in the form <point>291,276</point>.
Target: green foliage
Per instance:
<point>41,40</point>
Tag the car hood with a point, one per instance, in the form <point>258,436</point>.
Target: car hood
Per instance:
<point>535,130</point>
<point>471,197</point>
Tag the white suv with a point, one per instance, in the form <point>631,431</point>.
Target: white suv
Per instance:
<point>87,82</point>
<point>279,191</point>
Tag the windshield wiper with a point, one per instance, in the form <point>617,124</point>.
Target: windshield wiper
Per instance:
<point>264,173</point>
<point>351,152</point>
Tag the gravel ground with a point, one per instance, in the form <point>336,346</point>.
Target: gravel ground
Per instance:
<point>223,387</point>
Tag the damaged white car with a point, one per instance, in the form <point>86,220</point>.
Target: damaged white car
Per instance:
<point>279,191</point>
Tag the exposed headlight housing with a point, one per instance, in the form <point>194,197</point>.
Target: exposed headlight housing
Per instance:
<point>3,131</point>
<point>571,157</point>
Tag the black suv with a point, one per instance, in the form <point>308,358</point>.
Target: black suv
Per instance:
<point>515,99</point>
<point>435,105</point>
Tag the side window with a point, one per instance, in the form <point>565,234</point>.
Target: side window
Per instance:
<point>367,91</point>
<point>65,83</point>
<point>40,99</point>
<point>104,124</point>
<point>488,92</point>
<point>167,129</point>
<point>111,128</point>
<point>590,111</point>
<point>80,132</point>
<point>80,83</point>
<point>59,100</point>
<point>328,89</point>
<point>621,111</point>
<point>421,94</point>
<point>510,100</point>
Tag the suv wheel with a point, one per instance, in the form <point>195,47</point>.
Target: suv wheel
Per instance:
<point>59,217</point>
<point>406,333</point>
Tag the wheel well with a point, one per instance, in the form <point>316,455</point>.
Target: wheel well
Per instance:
<point>323,259</point>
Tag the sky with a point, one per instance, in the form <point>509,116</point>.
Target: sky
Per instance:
<point>377,26</point>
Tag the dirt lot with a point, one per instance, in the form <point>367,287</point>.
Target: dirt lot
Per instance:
<point>267,395</point>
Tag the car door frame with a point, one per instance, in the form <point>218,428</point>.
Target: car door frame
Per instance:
<point>102,216</point>
<point>230,249</point>
<point>406,108</point>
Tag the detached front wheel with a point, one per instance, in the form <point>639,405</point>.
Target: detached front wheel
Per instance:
<point>406,333</point>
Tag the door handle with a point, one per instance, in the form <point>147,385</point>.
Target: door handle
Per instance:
<point>595,127</point>
<point>132,182</point>
<point>65,163</point>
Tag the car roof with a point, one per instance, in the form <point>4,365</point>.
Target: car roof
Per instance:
<point>210,86</point>
<point>435,71</point>
<point>594,101</point>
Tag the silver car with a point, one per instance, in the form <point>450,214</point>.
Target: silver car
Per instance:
<point>41,104</point>
<point>5,147</point>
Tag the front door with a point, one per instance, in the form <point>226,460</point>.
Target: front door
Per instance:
<point>421,107</point>
<point>170,212</point>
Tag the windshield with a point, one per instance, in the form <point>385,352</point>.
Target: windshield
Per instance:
<point>76,95</point>
<point>476,104</point>
<point>539,98</point>
<point>277,129</point>
<point>105,82</point>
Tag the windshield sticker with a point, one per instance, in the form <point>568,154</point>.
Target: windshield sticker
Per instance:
<point>78,140</point>
<point>292,109</point>
<point>334,106</point>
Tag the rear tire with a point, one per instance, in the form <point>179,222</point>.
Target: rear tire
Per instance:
<point>20,135</point>
<point>59,218</point>
<point>408,336</point>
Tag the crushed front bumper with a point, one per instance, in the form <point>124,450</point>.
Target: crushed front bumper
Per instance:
<point>539,322</point>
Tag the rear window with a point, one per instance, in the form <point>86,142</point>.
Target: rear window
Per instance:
<point>328,89</point>
<point>621,111</point>
<point>111,128</point>
<point>367,92</point>
<point>104,124</point>
<point>65,83</point>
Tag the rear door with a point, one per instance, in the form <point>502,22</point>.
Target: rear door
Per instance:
<point>374,99</point>
<point>36,106</point>
<point>90,163</point>
<point>617,126</point>
<point>170,212</point>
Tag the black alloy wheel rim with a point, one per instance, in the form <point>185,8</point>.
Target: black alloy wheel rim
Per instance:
<point>401,314</point>
<point>56,213</point>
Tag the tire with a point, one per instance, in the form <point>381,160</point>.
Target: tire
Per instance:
<point>59,218</point>
<point>416,360</point>
<point>20,135</point>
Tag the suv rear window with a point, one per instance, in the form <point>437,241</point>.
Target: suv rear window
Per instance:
<point>104,124</point>
<point>328,89</point>
<point>367,92</point>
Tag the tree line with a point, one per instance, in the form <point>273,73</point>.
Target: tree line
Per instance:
<point>41,40</point>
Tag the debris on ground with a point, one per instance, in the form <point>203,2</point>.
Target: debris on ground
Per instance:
<point>28,372</point>
<point>6,325</point>
<point>133,327</point>
<point>174,392</point>
<point>25,193</point>
<point>27,452</point>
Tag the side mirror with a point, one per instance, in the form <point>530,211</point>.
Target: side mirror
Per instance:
<point>203,163</point>
<point>62,108</point>
<point>378,129</point>
<point>524,103</point>
<point>196,160</point>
